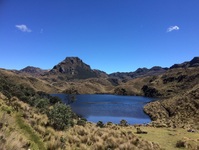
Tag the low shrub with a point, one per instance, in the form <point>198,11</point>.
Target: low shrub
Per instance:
<point>180,144</point>
<point>60,116</point>
<point>81,122</point>
<point>123,123</point>
<point>100,124</point>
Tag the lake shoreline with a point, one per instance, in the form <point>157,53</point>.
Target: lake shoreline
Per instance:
<point>110,108</point>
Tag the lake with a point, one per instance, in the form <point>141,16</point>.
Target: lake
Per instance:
<point>109,108</point>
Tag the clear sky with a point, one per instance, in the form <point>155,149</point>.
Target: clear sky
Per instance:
<point>110,35</point>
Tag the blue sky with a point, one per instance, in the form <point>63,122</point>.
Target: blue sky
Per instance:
<point>110,35</point>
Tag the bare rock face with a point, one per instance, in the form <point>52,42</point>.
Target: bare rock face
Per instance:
<point>74,68</point>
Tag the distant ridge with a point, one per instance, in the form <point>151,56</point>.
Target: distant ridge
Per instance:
<point>140,72</point>
<point>33,71</point>
<point>193,63</point>
<point>75,68</point>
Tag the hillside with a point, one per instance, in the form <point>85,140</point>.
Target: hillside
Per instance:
<point>179,105</point>
<point>178,111</point>
<point>27,80</point>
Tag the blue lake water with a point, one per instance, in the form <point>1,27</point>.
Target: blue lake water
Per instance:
<point>113,108</point>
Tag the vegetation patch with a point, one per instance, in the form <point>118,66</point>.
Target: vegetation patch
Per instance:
<point>36,142</point>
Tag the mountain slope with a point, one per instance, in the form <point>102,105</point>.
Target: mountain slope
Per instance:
<point>27,80</point>
<point>179,105</point>
<point>177,111</point>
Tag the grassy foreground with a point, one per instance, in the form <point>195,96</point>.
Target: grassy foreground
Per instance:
<point>167,138</point>
<point>26,128</point>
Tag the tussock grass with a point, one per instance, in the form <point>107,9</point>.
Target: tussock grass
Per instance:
<point>167,138</point>
<point>94,138</point>
<point>10,137</point>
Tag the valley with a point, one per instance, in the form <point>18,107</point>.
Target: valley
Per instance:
<point>25,92</point>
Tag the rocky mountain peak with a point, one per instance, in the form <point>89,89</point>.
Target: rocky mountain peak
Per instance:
<point>72,60</point>
<point>74,67</point>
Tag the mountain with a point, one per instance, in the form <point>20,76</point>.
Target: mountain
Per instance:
<point>193,63</point>
<point>33,71</point>
<point>74,68</point>
<point>140,72</point>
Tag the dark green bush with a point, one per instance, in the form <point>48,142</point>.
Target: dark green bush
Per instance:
<point>123,123</point>
<point>109,123</point>
<point>180,144</point>
<point>100,124</point>
<point>54,100</point>
<point>42,104</point>
<point>81,122</point>
<point>150,91</point>
<point>60,116</point>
